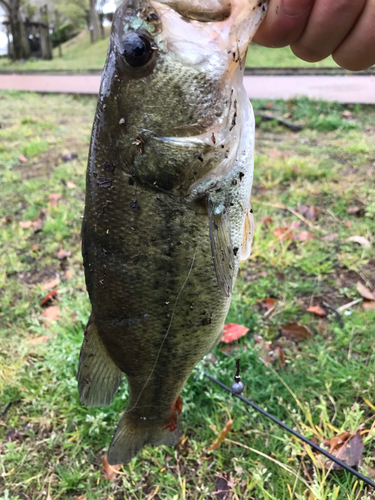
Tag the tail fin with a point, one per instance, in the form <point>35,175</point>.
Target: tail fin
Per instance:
<point>98,376</point>
<point>129,439</point>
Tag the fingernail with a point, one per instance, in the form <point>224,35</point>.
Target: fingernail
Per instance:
<point>296,8</point>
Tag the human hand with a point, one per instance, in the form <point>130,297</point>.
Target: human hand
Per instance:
<point>315,29</point>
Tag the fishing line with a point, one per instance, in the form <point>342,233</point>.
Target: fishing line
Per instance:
<point>317,448</point>
<point>166,334</point>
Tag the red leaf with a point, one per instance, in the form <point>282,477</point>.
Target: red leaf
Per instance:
<point>365,292</point>
<point>22,159</point>
<point>295,331</point>
<point>304,236</point>
<point>49,296</point>
<point>232,332</point>
<point>369,305</point>
<point>63,254</point>
<point>347,223</point>
<point>317,310</point>
<point>109,471</point>
<point>267,303</point>
<point>43,339</point>
<point>283,234</point>
<point>266,220</point>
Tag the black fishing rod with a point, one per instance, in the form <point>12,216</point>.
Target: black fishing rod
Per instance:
<point>238,387</point>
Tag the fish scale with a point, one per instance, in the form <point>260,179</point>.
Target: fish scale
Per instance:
<point>167,213</point>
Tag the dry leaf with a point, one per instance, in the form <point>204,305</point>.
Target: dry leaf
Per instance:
<point>43,339</point>
<point>369,305</point>
<point>295,331</point>
<point>330,237</point>
<point>70,184</point>
<point>346,114</point>
<point>266,220</point>
<point>50,284</point>
<point>302,209</point>
<point>361,240</point>
<point>304,236</point>
<point>263,349</point>
<point>49,296</point>
<point>312,213</point>
<point>365,292</point>
<point>347,446</point>
<point>35,248</point>
<point>50,314</point>
<point>277,354</point>
<point>221,436</point>
<point>295,225</point>
<point>109,471</point>
<point>22,159</point>
<point>267,303</point>
<point>68,274</point>
<point>283,233</point>
<point>63,254</point>
<point>317,310</point>
<point>347,223</point>
<point>355,210</point>
<point>54,199</point>
<point>25,224</point>
<point>232,332</point>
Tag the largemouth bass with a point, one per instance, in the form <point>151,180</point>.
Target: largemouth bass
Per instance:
<point>167,216</point>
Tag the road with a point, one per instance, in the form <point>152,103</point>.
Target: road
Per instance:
<point>346,89</point>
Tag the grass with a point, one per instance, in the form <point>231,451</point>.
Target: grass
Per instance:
<point>79,55</point>
<point>51,447</point>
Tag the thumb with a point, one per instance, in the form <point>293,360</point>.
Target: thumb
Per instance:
<point>284,23</point>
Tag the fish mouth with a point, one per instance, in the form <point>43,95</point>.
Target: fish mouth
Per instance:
<point>206,11</point>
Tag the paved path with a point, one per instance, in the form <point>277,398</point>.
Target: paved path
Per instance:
<point>347,89</point>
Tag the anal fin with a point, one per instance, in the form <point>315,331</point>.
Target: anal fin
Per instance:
<point>98,376</point>
<point>221,246</point>
<point>247,235</point>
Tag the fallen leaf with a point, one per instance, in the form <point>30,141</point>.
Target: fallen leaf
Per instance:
<point>50,284</point>
<point>43,339</point>
<point>263,347</point>
<point>63,254</point>
<point>35,225</point>
<point>277,354</point>
<point>221,436</point>
<point>365,292</point>
<point>68,156</point>
<point>35,248</point>
<point>25,224</point>
<point>54,199</point>
<point>317,310</point>
<point>347,223</point>
<point>6,220</point>
<point>346,114</point>
<point>283,233</point>
<point>295,225</point>
<point>312,213</point>
<point>232,332</point>
<point>49,297</point>
<point>68,274</point>
<point>369,305</point>
<point>295,331</point>
<point>304,236</point>
<point>22,159</point>
<point>267,303</point>
<point>266,220</point>
<point>70,185</point>
<point>361,240</point>
<point>330,237</point>
<point>50,314</point>
<point>109,471</point>
<point>222,488</point>
<point>355,210</point>
<point>302,209</point>
<point>347,446</point>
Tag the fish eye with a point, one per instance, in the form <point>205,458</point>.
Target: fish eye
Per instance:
<point>137,49</point>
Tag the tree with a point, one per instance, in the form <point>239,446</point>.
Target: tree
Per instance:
<point>94,22</point>
<point>20,42</point>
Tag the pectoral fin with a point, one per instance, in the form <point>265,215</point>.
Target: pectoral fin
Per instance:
<point>221,246</point>
<point>248,234</point>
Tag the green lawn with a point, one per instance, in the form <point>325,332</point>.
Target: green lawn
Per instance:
<point>51,447</point>
<point>79,54</point>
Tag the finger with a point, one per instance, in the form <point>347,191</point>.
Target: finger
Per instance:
<point>328,25</point>
<point>284,23</point>
<point>357,51</point>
